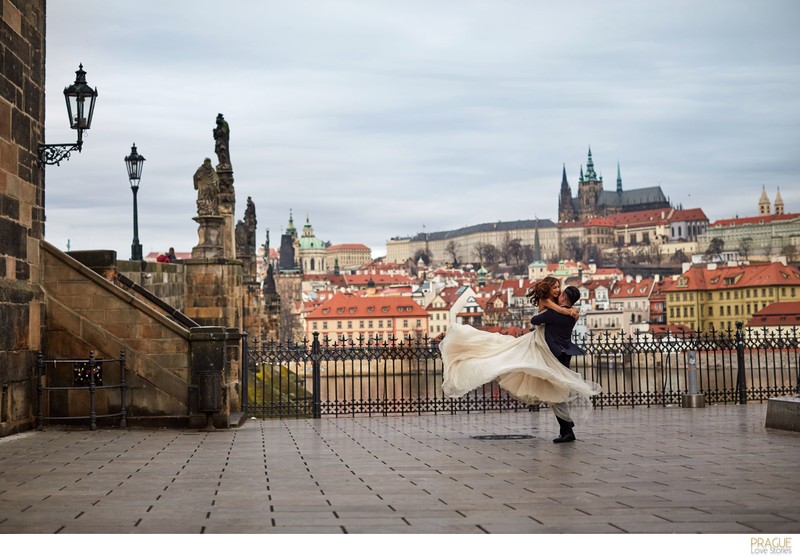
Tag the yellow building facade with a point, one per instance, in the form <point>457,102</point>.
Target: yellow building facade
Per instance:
<point>712,297</point>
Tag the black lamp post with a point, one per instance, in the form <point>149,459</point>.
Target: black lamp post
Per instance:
<point>80,118</point>
<point>134,162</point>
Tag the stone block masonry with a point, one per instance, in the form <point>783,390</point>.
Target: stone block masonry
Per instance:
<point>22,50</point>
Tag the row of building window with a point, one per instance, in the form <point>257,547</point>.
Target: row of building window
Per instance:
<point>370,324</point>
<point>688,311</point>
<point>726,295</point>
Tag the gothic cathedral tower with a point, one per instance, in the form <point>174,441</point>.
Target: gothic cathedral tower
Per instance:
<point>590,188</point>
<point>566,211</point>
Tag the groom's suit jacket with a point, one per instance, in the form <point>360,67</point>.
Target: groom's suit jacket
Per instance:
<point>558,333</point>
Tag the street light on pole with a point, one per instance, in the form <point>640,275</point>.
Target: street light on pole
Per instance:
<point>134,162</point>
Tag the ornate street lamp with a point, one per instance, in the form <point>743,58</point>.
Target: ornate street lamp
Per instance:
<point>134,162</point>
<point>80,118</point>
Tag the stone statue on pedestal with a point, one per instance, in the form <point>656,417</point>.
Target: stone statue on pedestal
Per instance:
<point>206,182</point>
<point>246,238</point>
<point>222,135</point>
<point>250,222</point>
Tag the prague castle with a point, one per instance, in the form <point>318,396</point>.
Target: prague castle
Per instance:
<point>592,201</point>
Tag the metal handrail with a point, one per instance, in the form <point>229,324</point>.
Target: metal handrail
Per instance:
<point>92,388</point>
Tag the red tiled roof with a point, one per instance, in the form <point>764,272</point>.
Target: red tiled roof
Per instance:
<point>349,306</point>
<point>677,330</point>
<point>449,294</point>
<point>753,220</point>
<point>518,286</point>
<point>660,286</point>
<point>724,277</point>
<point>340,247</point>
<point>695,214</point>
<point>646,217</point>
<point>631,289</point>
<point>777,314</point>
<point>593,284</point>
<point>599,222</point>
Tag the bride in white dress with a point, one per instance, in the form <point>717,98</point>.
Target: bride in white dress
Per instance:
<point>523,366</point>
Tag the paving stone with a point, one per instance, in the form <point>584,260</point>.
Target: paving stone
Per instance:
<point>633,470</point>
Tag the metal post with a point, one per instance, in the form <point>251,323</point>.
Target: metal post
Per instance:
<point>92,413</point>
<point>693,399</point>
<point>316,355</point>
<point>136,247</point>
<point>741,381</point>
<point>123,421</point>
<point>245,372</point>
<point>39,389</point>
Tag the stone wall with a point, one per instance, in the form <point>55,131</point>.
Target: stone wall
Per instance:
<point>165,280</point>
<point>22,54</point>
<point>214,291</point>
<point>87,312</point>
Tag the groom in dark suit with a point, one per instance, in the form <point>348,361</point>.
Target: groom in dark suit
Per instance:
<point>558,333</point>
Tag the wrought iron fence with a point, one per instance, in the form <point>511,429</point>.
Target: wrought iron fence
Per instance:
<point>383,377</point>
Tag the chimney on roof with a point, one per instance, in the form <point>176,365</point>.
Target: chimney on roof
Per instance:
<point>638,278</point>
<point>656,278</point>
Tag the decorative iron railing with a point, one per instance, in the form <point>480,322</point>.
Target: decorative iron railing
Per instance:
<point>373,376</point>
<point>80,389</point>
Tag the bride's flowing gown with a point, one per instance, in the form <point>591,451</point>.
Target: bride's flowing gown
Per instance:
<point>523,366</point>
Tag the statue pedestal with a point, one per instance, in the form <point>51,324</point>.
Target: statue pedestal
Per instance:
<point>227,207</point>
<point>209,231</point>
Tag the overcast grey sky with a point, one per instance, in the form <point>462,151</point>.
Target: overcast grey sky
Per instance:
<point>377,118</point>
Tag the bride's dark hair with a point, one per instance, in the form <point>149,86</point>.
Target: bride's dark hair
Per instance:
<point>541,289</point>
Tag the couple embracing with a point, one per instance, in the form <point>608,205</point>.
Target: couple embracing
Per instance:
<point>533,368</point>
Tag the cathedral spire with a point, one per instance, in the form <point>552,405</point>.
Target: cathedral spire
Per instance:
<point>537,246</point>
<point>619,180</point>
<point>590,174</point>
<point>566,211</point>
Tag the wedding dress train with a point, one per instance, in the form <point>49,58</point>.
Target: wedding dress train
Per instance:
<point>523,366</point>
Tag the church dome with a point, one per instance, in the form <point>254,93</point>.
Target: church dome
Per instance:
<point>308,241</point>
<point>311,243</point>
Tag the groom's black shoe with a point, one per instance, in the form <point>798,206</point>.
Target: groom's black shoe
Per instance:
<point>568,437</point>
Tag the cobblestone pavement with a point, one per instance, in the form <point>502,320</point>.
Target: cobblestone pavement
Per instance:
<point>661,470</point>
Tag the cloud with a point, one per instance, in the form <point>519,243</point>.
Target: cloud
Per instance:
<point>375,118</point>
